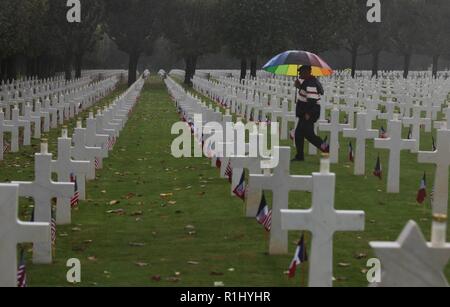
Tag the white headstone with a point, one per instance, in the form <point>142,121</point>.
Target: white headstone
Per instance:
<point>13,231</point>
<point>43,190</point>
<point>411,261</point>
<point>361,134</point>
<point>395,144</point>
<point>323,221</point>
<point>280,183</point>
<point>334,127</point>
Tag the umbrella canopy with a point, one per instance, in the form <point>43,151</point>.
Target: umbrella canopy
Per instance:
<point>288,63</point>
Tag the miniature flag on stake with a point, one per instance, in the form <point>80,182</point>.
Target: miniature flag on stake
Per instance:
<point>434,144</point>
<point>300,257</point>
<point>351,156</point>
<point>76,196</point>
<point>22,271</point>
<point>6,147</point>
<point>378,172</point>
<point>383,134</point>
<point>53,228</point>
<point>218,162</point>
<point>229,172</point>
<point>422,194</point>
<point>97,163</point>
<point>264,216</point>
<point>239,191</point>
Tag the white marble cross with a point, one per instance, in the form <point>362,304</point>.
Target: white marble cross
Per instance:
<point>6,126</point>
<point>18,122</point>
<point>64,166</point>
<point>85,153</point>
<point>43,190</point>
<point>416,121</point>
<point>395,144</point>
<point>36,120</point>
<point>334,127</point>
<point>323,221</point>
<point>441,157</point>
<point>280,183</point>
<point>13,231</point>
<point>411,261</point>
<point>361,134</point>
<point>93,139</point>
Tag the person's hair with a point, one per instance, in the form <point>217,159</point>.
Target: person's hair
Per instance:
<point>305,69</point>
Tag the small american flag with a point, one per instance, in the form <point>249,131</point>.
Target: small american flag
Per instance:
<point>76,196</point>
<point>22,271</point>
<point>229,172</point>
<point>111,142</point>
<point>6,147</point>
<point>97,163</point>
<point>264,216</point>
<point>53,228</point>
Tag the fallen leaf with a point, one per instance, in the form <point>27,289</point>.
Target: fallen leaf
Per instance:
<point>172,279</point>
<point>114,202</point>
<point>172,203</point>
<point>344,265</point>
<point>141,264</point>
<point>213,273</point>
<point>137,213</point>
<point>76,229</point>
<point>92,258</point>
<point>189,227</point>
<point>136,244</point>
<point>130,196</point>
<point>193,263</point>
<point>361,256</point>
<point>117,211</point>
<point>219,284</point>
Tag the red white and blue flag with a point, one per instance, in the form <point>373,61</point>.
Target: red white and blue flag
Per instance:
<point>218,162</point>
<point>229,172</point>
<point>383,133</point>
<point>22,271</point>
<point>6,146</point>
<point>434,148</point>
<point>53,228</point>
<point>378,172</point>
<point>351,155</point>
<point>264,216</point>
<point>422,193</point>
<point>75,199</point>
<point>300,257</point>
<point>240,189</point>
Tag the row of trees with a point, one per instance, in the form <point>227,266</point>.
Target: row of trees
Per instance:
<point>36,39</point>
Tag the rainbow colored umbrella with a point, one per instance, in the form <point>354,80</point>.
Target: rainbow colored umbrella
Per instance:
<point>288,63</point>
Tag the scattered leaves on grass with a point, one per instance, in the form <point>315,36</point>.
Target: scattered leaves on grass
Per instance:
<point>141,264</point>
<point>114,202</point>
<point>344,265</point>
<point>193,262</point>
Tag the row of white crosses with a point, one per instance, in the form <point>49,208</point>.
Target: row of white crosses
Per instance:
<point>424,261</point>
<point>50,117</point>
<point>322,220</point>
<point>71,160</point>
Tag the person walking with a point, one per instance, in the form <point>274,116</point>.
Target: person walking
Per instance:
<point>308,112</point>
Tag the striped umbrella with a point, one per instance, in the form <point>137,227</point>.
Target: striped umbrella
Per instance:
<point>288,63</point>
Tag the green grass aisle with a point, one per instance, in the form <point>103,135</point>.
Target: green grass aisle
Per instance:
<point>153,220</point>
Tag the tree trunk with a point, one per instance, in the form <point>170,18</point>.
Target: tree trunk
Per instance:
<point>243,68</point>
<point>406,65</point>
<point>11,68</point>
<point>78,65</point>
<point>435,65</point>
<point>68,67</point>
<point>375,63</point>
<point>253,66</point>
<point>191,66</point>
<point>132,68</point>
<point>3,69</point>
<point>354,55</point>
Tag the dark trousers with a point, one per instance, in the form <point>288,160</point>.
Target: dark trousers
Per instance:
<point>305,130</point>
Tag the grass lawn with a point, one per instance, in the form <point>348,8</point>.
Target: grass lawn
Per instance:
<point>197,233</point>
